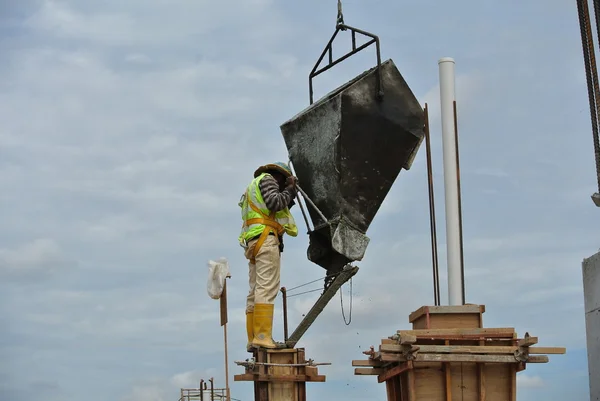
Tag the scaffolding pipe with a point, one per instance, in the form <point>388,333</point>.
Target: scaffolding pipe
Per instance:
<point>453,234</point>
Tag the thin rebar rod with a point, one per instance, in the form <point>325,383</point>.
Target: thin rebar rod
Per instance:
<point>596,133</point>
<point>432,223</point>
<point>460,218</point>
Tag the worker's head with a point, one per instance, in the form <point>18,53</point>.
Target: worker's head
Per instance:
<point>280,171</point>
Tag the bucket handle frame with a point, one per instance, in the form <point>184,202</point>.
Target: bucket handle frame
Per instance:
<point>329,49</point>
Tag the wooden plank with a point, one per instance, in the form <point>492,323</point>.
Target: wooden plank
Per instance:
<point>320,304</point>
<point>368,371</point>
<point>458,333</point>
<point>513,383</point>
<point>390,391</point>
<point>395,371</point>
<point>547,350</point>
<point>282,350</point>
<point>524,342</point>
<point>278,378</point>
<point>412,386</point>
<point>366,362</point>
<point>464,381</point>
<point>443,310</point>
<point>261,388</point>
<point>481,377</point>
<point>406,339</point>
<point>394,389</point>
<point>497,382</point>
<point>223,304</point>
<point>463,358</point>
<point>429,383</point>
<point>311,371</point>
<point>455,349</point>
<point>448,376</point>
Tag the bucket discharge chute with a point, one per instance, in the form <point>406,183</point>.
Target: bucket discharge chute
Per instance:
<point>347,150</point>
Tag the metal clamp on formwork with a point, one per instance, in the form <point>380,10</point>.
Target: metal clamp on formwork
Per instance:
<point>251,363</point>
<point>341,26</point>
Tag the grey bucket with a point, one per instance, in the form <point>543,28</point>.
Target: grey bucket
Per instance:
<point>347,149</point>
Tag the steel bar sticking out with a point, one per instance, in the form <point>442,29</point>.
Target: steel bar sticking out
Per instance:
<point>596,133</point>
<point>460,218</point>
<point>591,74</point>
<point>434,254</point>
<point>285,313</point>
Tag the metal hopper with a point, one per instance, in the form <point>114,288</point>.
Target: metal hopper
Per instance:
<point>347,150</point>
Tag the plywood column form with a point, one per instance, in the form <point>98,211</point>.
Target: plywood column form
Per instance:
<point>449,356</point>
<point>279,374</point>
<point>591,292</point>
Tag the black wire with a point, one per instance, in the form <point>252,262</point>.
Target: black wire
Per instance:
<point>305,292</point>
<point>342,305</point>
<point>314,281</point>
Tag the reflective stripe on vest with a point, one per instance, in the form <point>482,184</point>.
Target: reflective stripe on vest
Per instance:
<point>258,220</point>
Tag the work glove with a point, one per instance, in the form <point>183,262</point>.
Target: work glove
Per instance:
<point>291,181</point>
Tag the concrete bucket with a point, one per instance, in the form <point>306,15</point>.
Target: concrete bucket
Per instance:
<point>347,150</point>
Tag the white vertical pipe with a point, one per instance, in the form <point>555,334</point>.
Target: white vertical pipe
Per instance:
<point>453,252</point>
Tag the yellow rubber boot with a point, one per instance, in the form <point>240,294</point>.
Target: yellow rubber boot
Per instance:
<point>263,326</point>
<point>249,330</point>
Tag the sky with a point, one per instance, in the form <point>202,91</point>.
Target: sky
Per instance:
<point>130,130</point>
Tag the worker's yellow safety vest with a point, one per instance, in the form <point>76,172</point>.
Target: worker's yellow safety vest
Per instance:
<point>258,220</point>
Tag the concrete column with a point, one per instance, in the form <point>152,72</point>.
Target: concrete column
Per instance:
<point>591,292</point>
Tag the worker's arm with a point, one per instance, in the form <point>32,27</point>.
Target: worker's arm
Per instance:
<point>275,200</point>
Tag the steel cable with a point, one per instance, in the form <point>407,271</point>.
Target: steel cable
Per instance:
<point>591,72</point>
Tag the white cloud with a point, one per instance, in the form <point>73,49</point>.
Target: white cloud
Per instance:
<point>39,257</point>
<point>526,381</point>
<point>148,392</point>
<point>130,128</point>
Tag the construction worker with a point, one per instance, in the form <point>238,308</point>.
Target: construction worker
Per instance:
<point>266,218</point>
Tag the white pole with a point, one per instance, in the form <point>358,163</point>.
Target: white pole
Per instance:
<point>454,257</point>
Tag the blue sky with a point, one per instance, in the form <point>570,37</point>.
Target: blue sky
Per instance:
<point>129,130</point>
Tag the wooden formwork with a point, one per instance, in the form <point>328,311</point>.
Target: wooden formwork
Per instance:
<point>449,356</point>
<point>279,374</point>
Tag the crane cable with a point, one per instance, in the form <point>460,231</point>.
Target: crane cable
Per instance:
<point>591,72</point>
<point>340,14</point>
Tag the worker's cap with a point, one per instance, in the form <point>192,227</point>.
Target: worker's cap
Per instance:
<point>281,167</point>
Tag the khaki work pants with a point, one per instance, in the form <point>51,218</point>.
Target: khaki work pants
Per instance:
<point>264,276</point>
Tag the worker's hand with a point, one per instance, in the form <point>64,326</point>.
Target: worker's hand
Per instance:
<point>291,181</point>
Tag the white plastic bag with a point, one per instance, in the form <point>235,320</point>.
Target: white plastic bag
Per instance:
<point>217,272</point>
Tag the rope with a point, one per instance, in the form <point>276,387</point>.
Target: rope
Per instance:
<point>342,305</point>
